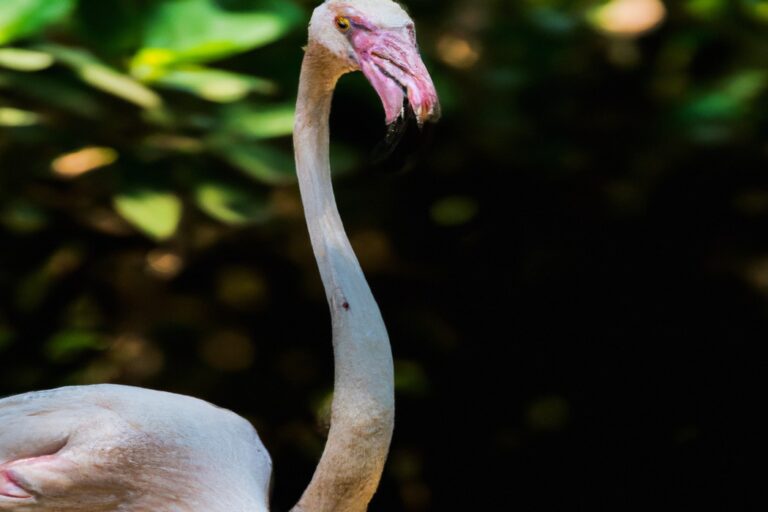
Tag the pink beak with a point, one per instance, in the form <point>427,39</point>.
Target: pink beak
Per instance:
<point>390,60</point>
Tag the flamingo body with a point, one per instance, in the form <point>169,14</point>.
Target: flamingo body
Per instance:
<point>109,448</point>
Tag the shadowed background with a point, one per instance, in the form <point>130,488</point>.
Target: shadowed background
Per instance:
<point>573,264</point>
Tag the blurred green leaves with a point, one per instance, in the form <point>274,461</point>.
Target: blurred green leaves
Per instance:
<point>24,60</point>
<point>14,117</point>
<point>70,343</point>
<point>734,95</point>
<point>103,77</point>
<point>261,162</point>
<point>181,35</point>
<point>712,115</point>
<point>758,8</point>
<point>706,8</point>
<point>154,211</point>
<point>195,31</point>
<point>230,204</point>
<point>22,18</point>
<point>213,84</point>
<point>257,121</point>
<point>104,59</point>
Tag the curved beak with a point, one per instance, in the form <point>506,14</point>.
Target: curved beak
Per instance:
<point>390,60</point>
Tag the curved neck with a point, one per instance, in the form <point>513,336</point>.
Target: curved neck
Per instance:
<point>363,406</point>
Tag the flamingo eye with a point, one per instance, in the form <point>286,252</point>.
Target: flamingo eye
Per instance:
<point>343,23</point>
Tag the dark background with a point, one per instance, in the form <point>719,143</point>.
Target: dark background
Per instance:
<point>573,264</point>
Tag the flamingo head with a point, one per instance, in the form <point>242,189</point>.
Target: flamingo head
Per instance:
<point>378,38</point>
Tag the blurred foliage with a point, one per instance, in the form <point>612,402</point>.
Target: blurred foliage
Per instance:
<point>592,207</point>
<point>70,59</point>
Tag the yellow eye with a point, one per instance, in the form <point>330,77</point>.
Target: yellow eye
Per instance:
<point>343,23</point>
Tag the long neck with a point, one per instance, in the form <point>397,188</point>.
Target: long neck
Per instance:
<point>363,406</point>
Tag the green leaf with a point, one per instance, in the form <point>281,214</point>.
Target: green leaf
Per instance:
<point>729,100</point>
<point>196,31</point>
<point>23,18</point>
<point>54,91</point>
<point>230,204</point>
<point>758,8</point>
<point>103,77</point>
<point>213,84</point>
<point>707,9</point>
<point>13,117</point>
<point>24,60</point>
<point>67,344</point>
<point>266,164</point>
<point>258,122</point>
<point>154,212</point>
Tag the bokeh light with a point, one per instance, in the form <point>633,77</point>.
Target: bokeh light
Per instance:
<point>629,18</point>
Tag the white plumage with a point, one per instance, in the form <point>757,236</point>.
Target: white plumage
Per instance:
<point>108,447</point>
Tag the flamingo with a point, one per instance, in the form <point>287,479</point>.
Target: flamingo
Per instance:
<point>117,448</point>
